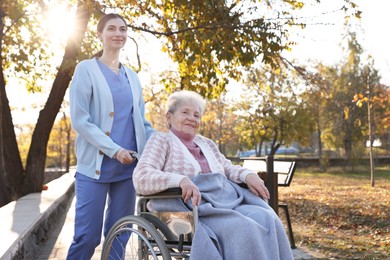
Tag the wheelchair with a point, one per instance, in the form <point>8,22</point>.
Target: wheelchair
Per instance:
<point>157,235</point>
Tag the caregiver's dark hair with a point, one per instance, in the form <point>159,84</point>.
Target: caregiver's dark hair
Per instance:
<point>102,22</point>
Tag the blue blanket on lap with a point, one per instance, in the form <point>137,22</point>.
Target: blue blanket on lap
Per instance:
<point>233,223</point>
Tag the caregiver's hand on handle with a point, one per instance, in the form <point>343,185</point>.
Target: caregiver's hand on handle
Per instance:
<point>124,156</point>
<point>256,186</point>
<point>190,190</point>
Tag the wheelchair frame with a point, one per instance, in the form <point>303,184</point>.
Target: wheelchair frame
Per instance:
<point>146,236</point>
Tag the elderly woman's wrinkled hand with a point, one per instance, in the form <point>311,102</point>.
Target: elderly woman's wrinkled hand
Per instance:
<point>256,186</point>
<point>190,190</point>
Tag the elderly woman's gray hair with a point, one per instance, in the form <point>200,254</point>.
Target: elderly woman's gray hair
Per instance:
<point>183,97</point>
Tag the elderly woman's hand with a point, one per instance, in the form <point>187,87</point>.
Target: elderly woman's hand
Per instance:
<point>189,189</point>
<point>256,186</point>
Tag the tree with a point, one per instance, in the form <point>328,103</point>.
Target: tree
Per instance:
<point>31,179</point>
<point>219,123</point>
<point>12,22</point>
<point>5,193</point>
<point>348,119</point>
<point>336,94</point>
<point>155,98</point>
<point>315,96</point>
<point>275,116</point>
<point>212,41</point>
<point>382,115</point>
<point>61,144</point>
<point>372,98</point>
<point>251,122</point>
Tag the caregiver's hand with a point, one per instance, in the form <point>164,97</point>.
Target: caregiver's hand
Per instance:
<point>189,189</point>
<point>124,156</point>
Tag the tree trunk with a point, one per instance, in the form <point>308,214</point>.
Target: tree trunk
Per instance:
<point>319,132</point>
<point>260,145</point>
<point>68,130</point>
<point>275,144</point>
<point>5,192</point>
<point>12,168</point>
<point>348,145</point>
<point>67,162</point>
<point>13,162</point>
<point>36,158</point>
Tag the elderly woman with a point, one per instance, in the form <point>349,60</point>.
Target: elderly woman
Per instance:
<point>234,223</point>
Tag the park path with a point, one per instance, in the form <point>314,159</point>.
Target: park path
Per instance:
<point>61,238</point>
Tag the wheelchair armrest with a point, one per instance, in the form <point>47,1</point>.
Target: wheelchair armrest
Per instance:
<point>169,193</point>
<point>166,194</point>
<point>243,185</point>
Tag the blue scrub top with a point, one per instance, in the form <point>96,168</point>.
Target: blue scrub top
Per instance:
<point>122,131</point>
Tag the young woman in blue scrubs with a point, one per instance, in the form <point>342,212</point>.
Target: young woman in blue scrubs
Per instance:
<point>108,113</point>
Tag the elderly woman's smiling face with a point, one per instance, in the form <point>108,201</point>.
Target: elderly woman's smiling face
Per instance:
<point>185,119</point>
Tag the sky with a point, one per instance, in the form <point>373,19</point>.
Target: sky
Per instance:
<point>322,42</point>
<point>319,43</point>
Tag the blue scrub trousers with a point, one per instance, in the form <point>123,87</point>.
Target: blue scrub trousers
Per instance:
<point>90,203</point>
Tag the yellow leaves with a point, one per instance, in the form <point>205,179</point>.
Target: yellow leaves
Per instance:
<point>130,2</point>
<point>358,14</point>
<point>346,113</point>
<point>359,103</point>
<point>295,4</point>
<point>302,25</point>
<point>358,96</point>
<point>359,99</point>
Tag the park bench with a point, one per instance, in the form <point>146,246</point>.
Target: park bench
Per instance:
<point>275,173</point>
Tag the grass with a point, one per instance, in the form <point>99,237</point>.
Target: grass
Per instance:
<point>339,214</point>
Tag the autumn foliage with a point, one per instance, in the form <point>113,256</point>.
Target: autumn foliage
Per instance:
<point>339,214</point>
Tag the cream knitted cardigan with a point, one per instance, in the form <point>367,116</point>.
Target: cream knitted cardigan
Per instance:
<point>166,161</point>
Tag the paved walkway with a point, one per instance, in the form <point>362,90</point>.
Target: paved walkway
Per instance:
<point>58,244</point>
<point>27,222</point>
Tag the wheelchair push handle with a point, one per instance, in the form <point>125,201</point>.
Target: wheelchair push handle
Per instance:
<point>135,156</point>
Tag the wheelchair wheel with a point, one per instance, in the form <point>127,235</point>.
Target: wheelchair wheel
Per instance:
<point>160,226</point>
<point>172,242</point>
<point>133,237</point>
